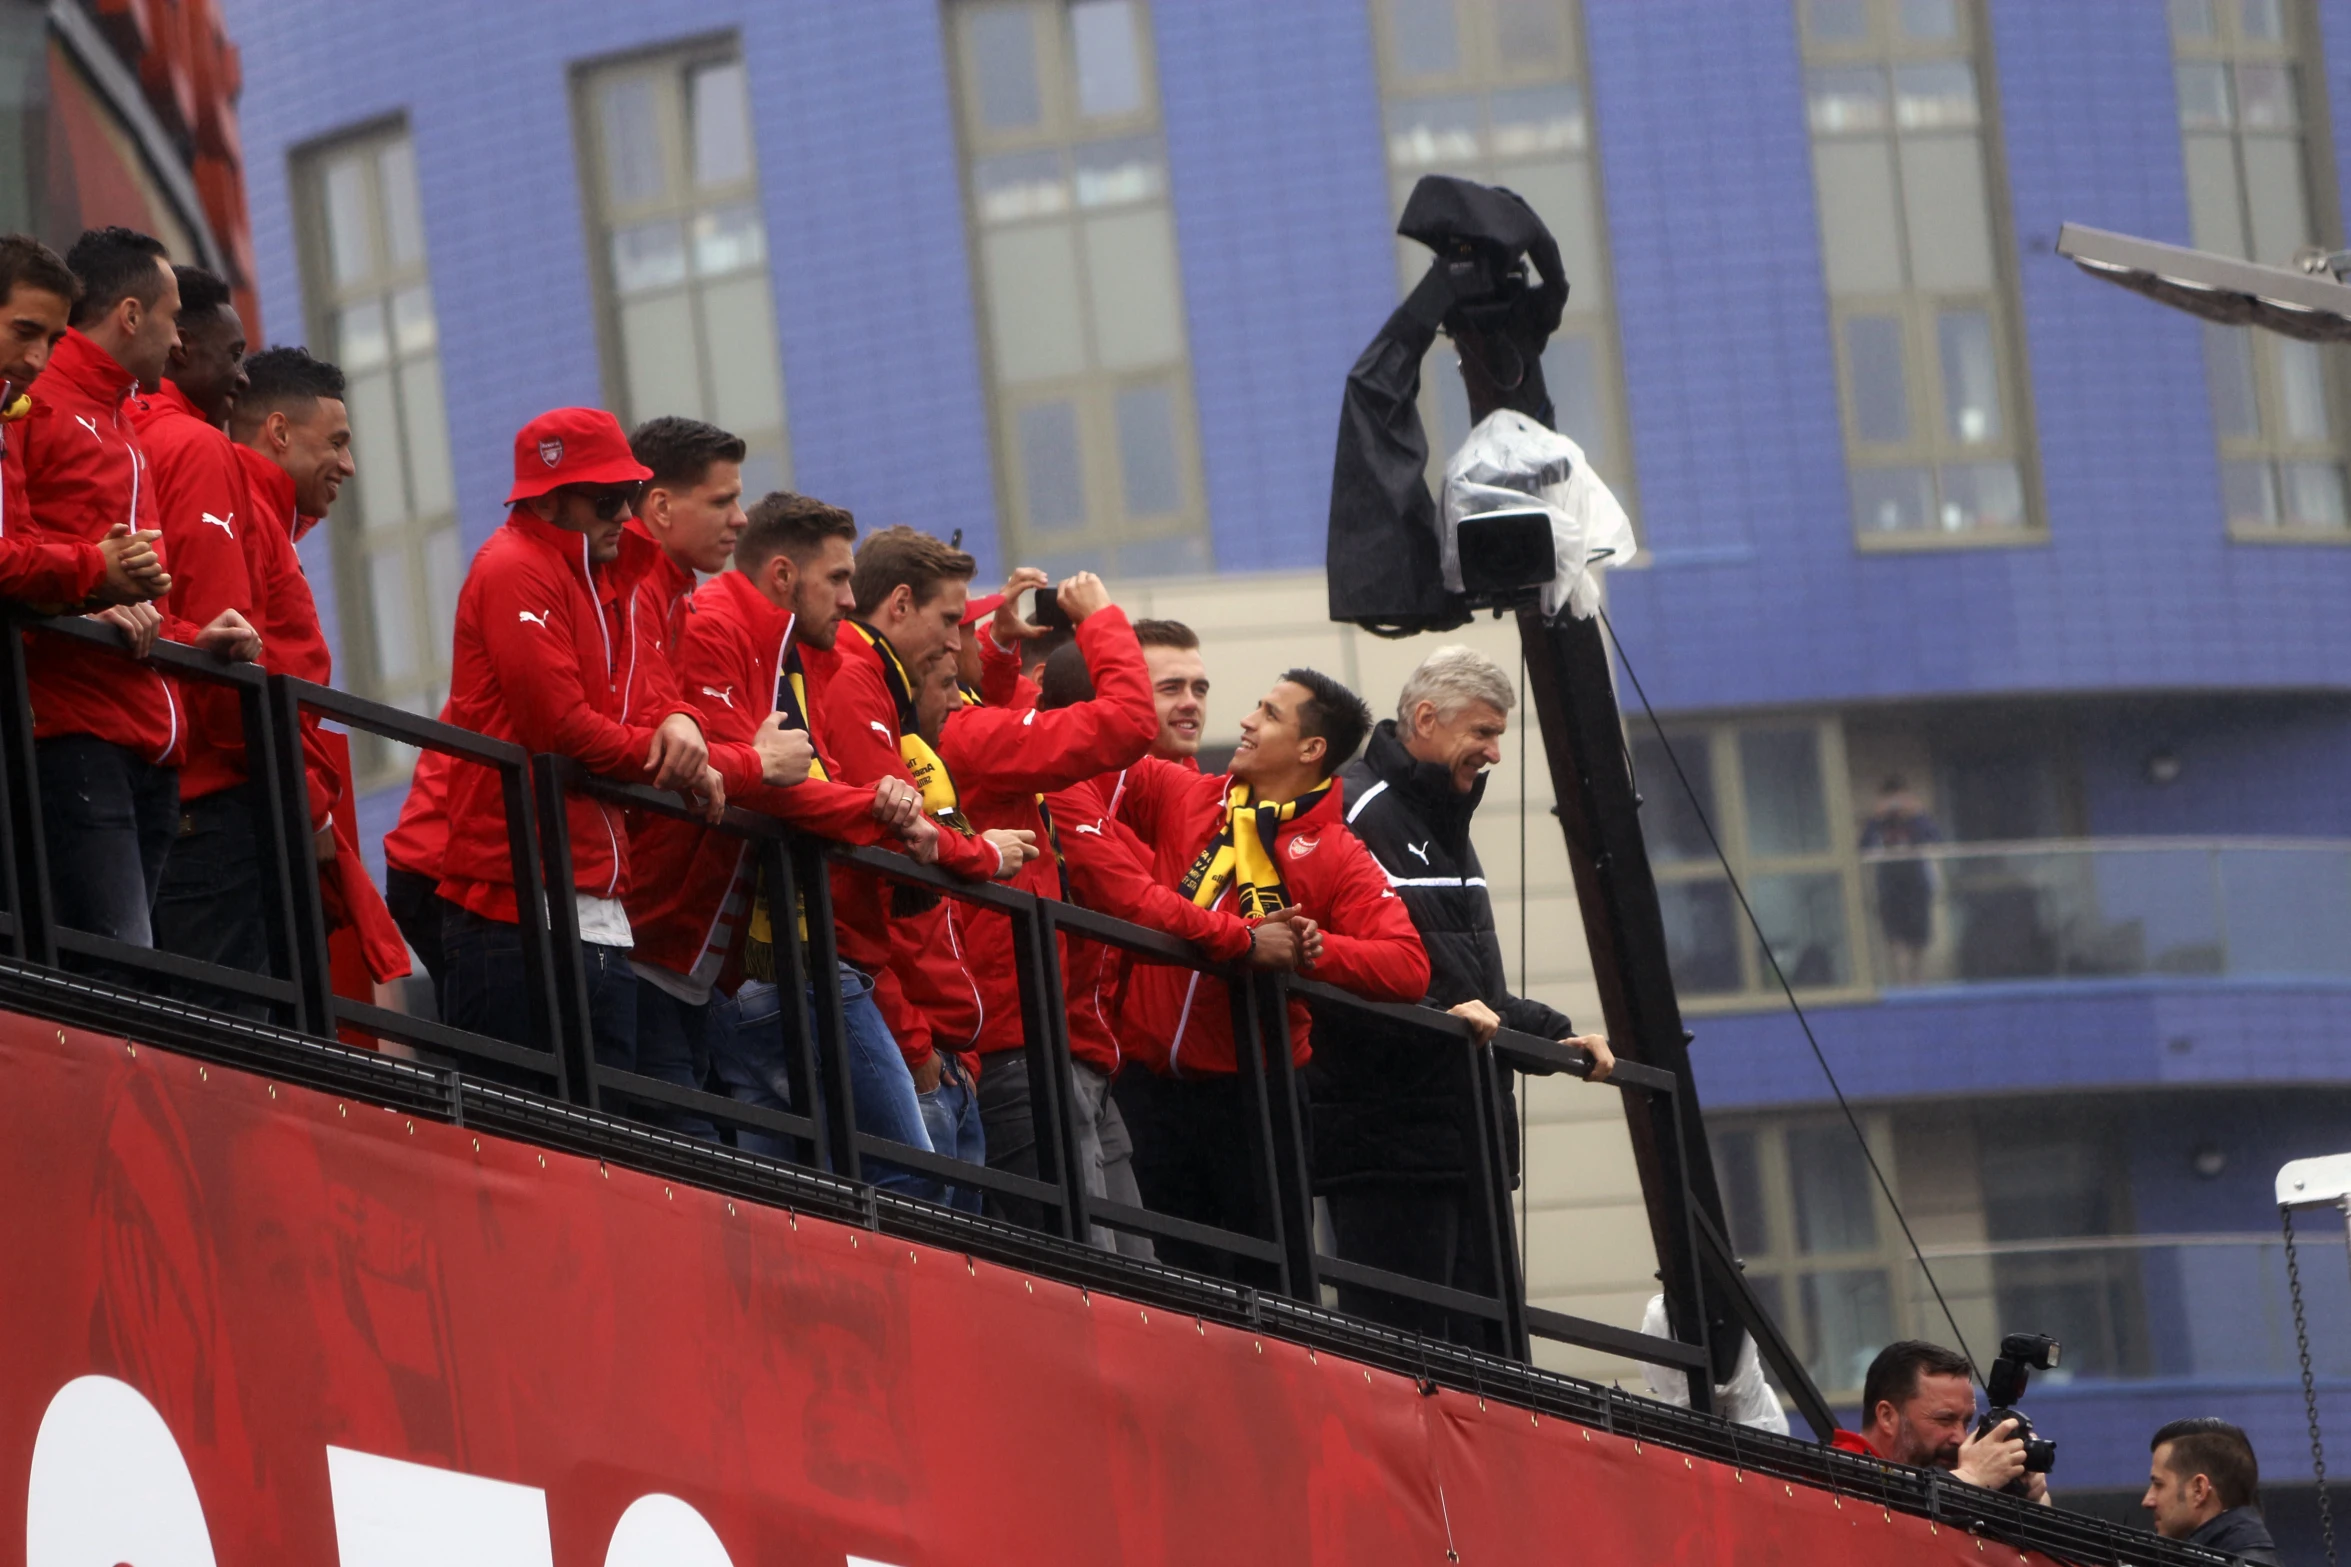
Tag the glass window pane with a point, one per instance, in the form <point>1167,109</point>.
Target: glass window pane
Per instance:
<point>350,226</point>
<point>657,350</point>
<point>1836,21</point>
<point>1880,388</point>
<point>1131,282</point>
<point>1109,57</point>
<point>1120,173</point>
<point>1779,770</point>
<point>1571,373</point>
<point>1935,97</point>
<point>375,428</point>
<point>2277,198</point>
<point>2265,97</point>
<point>2314,496</point>
<point>1560,191</point>
<point>1982,495</point>
<point>1020,185</point>
<point>722,125</point>
<point>414,330</point>
<point>2216,217</point>
<point>1427,133</point>
<point>1701,936</point>
<point>1846,98</point>
<point>1425,38</point>
<point>2228,374</point>
<point>1849,1317</point>
<point>1830,1188</point>
<point>403,220</point>
<point>1860,243</point>
<point>1033,303</point>
<point>738,325</point>
<point>1003,44</point>
<point>1148,471</point>
<point>1735,1158</point>
<point>2248,490</point>
<point>1530,121</point>
<point>729,239</point>
<point>1803,920</point>
<point>1179,555</point>
<point>2204,94</point>
<point>360,340</point>
<point>1051,468</point>
<point>1949,217</point>
<point>632,140</point>
<point>1930,19</point>
<point>1527,32</point>
<point>1892,500</point>
<point>1971,377</point>
<point>2192,19</point>
<point>393,613</point>
<point>444,570</point>
<point>1672,825</point>
<point>648,256</point>
<point>426,424</point>
<point>2302,392</point>
<point>2263,21</point>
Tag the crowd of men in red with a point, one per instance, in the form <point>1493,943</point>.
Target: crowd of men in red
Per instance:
<point>633,614</point>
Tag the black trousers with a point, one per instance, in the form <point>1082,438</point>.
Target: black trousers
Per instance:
<point>211,903</point>
<point>1433,1232</point>
<point>1008,1120</point>
<point>1195,1159</point>
<point>418,909</point>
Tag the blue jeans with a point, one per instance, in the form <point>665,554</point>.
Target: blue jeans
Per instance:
<point>487,994</point>
<point>951,1114</point>
<point>751,1061</point>
<point>673,1046</point>
<point>107,821</point>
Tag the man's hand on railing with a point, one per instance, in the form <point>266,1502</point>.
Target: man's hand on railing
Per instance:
<point>1595,1046</point>
<point>134,573</point>
<point>897,805</point>
<point>784,752</point>
<point>230,637</point>
<point>712,792</point>
<point>921,837</point>
<point>678,757</point>
<point>138,624</point>
<point>1015,847</point>
<point>1482,1020</point>
<point>1081,595</point>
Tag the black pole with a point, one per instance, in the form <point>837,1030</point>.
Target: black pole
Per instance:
<point>29,907</point>
<point>839,1124</point>
<point>574,1038</point>
<point>281,801</point>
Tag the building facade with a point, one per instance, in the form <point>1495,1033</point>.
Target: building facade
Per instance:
<point>1991,618</point>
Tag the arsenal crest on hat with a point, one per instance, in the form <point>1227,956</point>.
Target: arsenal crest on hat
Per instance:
<point>551,452</point>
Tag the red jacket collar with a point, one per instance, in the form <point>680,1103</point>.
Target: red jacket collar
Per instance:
<point>90,370</point>
<point>272,487</point>
<point>674,580</point>
<point>766,620</point>
<point>168,398</point>
<point>569,547</point>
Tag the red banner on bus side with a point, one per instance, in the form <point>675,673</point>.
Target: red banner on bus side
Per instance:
<point>367,1338</point>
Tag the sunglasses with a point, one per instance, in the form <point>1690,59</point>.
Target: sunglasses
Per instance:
<point>611,502</point>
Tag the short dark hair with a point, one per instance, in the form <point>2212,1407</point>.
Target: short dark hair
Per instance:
<point>788,524</point>
<point>1166,633</point>
<point>27,263</point>
<point>680,451</point>
<point>284,380</point>
<point>115,264</point>
<point>201,292</point>
<point>2220,1452</point>
<point>1893,1377</point>
<point>1065,681</point>
<point>902,557</point>
<point>1332,712</point>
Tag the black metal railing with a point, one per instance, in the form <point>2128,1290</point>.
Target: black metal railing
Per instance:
<point>554,1091</point>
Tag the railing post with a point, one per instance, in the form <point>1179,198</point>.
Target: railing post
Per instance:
<point>780,885</point>
<point>839,1122</point>
<point>27,865</point>
<point>1045,1027</point>
<point>273,733</point>
<point>574,1038</point>
<point>1487,1073</point>
<point>1286,1111</point>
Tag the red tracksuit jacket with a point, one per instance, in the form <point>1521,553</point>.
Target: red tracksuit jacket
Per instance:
<point>543,659</point>
<point>729,654</point>
<point>86,471</point>
<point>856,722</point>
<point>1181,1021</point>
<point>1002,759</point>
<point>36,568</point>
<point>418,841</point>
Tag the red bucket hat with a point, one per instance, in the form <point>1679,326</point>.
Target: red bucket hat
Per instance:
<point>572,446</point>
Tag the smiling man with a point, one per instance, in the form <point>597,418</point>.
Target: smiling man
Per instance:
<point>1391,1142</point>
<point>1179,686</point>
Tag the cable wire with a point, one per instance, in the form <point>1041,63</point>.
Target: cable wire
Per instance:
<point>1526,1100</point>
<point>1885,1187</point>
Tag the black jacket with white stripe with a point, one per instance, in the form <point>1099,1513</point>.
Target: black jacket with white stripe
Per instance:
<point>1388,1108</point>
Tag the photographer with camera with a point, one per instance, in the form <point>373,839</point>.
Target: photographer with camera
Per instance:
<point>2202,1487</point>
<point>1917,1405</point>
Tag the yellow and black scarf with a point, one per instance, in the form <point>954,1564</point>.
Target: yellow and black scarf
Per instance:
<point>1243,853</point>
<point>791,700</point>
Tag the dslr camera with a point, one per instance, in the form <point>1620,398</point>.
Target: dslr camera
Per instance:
<point>2021,1354</point>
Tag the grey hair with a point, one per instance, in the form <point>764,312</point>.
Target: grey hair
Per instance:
<point>1452,677</point>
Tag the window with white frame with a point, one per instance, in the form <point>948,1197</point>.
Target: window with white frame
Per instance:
<point>397,559</point>
<point>680,245</point>
<point>1494,91</point>
<point>1919,275</point>
<point>1097,444</point>
<point>2248,110</point>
